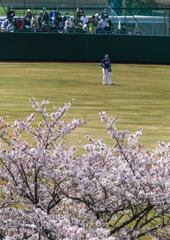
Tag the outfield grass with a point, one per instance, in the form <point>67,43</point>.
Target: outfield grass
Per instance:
<point>140,97</point>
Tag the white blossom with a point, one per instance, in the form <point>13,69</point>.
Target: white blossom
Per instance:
<point>108,193</point>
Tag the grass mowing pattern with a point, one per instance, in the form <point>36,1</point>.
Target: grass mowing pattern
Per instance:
<point>140,97</point>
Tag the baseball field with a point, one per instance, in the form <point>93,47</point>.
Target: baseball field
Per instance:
<point>139,99</point>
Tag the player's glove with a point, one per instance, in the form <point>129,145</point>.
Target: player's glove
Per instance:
<point>109,70</point>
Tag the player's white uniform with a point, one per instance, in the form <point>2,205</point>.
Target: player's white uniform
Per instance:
<point>106,73</point>
<point>106,65</point>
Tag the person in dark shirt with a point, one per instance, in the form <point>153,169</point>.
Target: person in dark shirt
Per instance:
<point>59,18</point>
<point>104,14</point>
<point>45,15</point>
<point>78,14</point>
<point>65,18</point>
<point>81,12</point>
<point>60,28</point>
<point>27,24</point>
<point>10,14</point>
<point>28,14</point>
<point>107,28</point>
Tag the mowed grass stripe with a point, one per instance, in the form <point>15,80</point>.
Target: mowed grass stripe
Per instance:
<point>140,97</point>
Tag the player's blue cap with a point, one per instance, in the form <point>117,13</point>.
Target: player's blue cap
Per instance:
<point>106,55</point>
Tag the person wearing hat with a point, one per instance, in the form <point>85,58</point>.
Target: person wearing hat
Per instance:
<point>10,14</point>
<point>45,15</point>
<point>104,14</point>
<point>106,69</point>
<point>28,14</point>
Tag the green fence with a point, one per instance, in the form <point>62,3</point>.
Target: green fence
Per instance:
<point>79,47</point>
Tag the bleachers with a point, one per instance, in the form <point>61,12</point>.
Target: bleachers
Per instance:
<point>125,21</point>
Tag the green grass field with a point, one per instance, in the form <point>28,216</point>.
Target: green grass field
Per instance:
<point>140,97</point>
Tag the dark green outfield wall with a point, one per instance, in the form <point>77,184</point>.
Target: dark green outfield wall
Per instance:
<point>84,47</point>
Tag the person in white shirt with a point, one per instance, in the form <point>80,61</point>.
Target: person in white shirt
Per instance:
<point>68,25</point>
<point>34,23</point>
<point>84,19</point>
<point>4,25</point>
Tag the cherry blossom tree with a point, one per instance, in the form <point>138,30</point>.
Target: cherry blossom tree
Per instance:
<point>112,192</point>
<point>126,188</point>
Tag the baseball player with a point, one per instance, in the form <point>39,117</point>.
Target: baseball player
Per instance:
<point>106,68</point>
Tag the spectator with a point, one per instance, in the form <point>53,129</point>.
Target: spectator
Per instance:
<point>79,28</point>
<point>10,27</point>
<point>59,19</point>
<point>97,17</point>
<point>104,14</point>
<point>4,25</point>
<point>84,19</point>
<point>78,14</point>
<point>93,19</point>
<point>110,23</point>
<point>85,28</point>
<point>81,12</point>
<point>74,24</point>
<point>19,24</point>
<point>65,18</point>
<point>28,14</point>
<point>92,25</point>
<point>10,14</point>
<point>138,32</point>
<point>107,28</point>
<point>102,24</point>
<point>53,15</point>
<point>98,30</point>
<point>41,22</point>
<point>34,23</point>
<point>54,26</point>
<point>27,24</point>
<point>45,15</point>
<point>68,25</point>
<point>85,22</point>
<point>60,28</point>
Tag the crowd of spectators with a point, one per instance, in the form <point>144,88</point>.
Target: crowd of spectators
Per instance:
<point>54,22</point>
